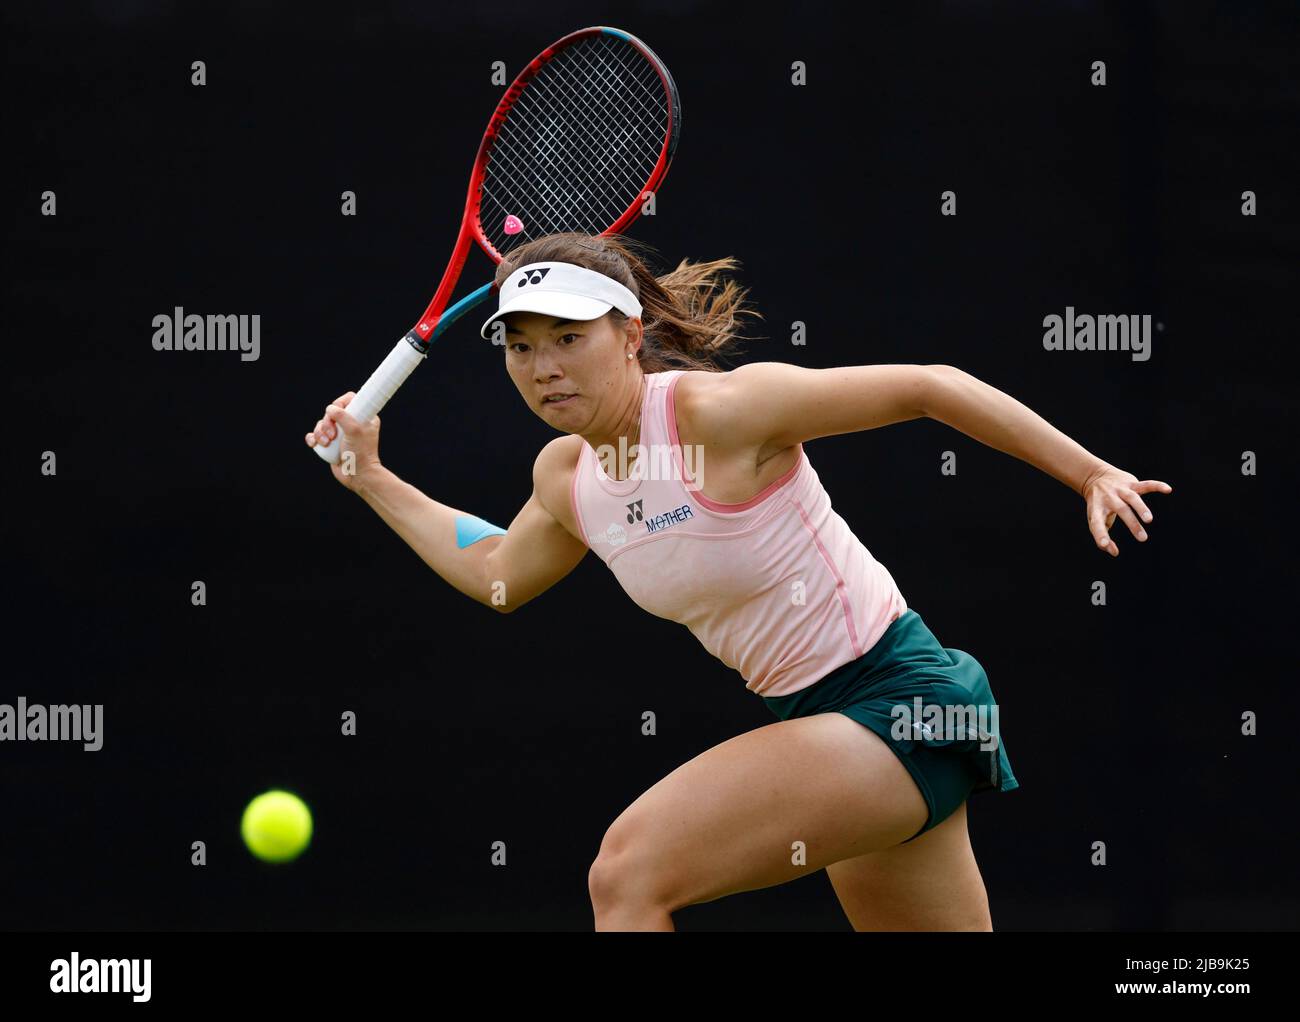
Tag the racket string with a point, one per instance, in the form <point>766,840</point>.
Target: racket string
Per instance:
<point>655,117</point>
<point>543,145</point>
<point>633,174</point>
<point>560,206</point>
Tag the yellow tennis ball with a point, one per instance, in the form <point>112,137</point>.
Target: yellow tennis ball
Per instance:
<point>276,826</point>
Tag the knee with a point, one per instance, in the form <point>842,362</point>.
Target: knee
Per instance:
<point>622,876</point>
<point>604,881</point>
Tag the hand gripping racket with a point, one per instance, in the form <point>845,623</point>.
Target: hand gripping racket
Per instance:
<point>580,136</point>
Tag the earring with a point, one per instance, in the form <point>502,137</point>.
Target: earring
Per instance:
<point>629,354</point>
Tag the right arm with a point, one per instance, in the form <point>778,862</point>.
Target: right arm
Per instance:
<point>534,554</point>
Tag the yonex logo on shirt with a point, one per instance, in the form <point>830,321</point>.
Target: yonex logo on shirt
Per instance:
<point>675,517</point>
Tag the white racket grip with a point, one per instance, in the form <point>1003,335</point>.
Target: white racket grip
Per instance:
<point>372,397</point>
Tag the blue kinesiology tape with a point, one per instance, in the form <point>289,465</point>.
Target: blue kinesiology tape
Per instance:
<point>470,530</point>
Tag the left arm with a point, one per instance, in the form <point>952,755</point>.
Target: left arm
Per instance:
<point>772,405</point>
<point>1000,421</point>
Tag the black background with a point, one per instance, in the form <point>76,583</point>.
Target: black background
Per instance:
<point>1122,722</point>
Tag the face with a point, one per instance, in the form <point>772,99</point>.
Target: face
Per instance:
<point>586,359</point>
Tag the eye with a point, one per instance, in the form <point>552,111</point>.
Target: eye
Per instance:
<point>567,336</point>
<point>516,345</point>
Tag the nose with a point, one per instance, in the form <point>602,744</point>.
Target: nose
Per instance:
<point>546,364</point>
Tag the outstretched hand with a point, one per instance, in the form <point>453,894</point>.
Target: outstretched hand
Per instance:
<point>1109,492</point>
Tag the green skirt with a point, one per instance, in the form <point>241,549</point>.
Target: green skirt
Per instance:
<point>931,705</point>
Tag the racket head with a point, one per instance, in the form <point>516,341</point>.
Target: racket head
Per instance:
<point>584,131</point>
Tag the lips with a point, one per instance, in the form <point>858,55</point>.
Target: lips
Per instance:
<point>557,399</point>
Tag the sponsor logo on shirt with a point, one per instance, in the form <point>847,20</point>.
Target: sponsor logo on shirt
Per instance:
<point>657,523</point>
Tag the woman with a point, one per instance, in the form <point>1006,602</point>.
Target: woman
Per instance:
<point>691,483</point>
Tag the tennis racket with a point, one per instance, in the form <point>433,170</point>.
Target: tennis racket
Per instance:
<point>588,127</point>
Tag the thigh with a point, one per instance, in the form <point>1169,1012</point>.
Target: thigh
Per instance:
<point>737,817</point>
<point>931,883</point>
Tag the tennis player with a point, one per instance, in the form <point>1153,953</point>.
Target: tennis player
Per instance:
<point>883,731</point>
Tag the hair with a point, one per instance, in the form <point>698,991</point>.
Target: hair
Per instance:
<point>690,316</point>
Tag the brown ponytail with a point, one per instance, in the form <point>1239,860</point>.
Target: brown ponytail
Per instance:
<point>688,321</point>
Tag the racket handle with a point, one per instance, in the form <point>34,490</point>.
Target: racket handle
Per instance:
<point>381,386</point>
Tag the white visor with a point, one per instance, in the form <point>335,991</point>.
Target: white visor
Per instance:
<point>563,290</point>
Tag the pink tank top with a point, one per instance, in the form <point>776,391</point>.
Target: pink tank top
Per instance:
<point>778,588</point>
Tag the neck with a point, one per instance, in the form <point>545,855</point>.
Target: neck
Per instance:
<point>626,432</point>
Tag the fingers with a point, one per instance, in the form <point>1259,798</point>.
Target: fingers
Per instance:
<point>1126,514</point>
<point>1100,531</point>
<point>336,413</point>
<point>323,432</point>
<point>343,417</point>
<point>1123,501</point>
<point>1139,505</point>
<point>1100,520</point>
<point>1148,486</point>
<point>327,429</point>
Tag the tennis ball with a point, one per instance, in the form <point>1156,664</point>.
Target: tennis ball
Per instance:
<point>276,826</point>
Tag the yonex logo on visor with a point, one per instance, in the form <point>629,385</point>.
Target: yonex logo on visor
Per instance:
<point>563,290</point>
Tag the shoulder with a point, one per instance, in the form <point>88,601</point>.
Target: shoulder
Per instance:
<point>556,462</point>
<point>743,386</point>
<point>553,476</point>
<point>731,415</point>
<point>699,398</point>
<point>731,408</point>
<point>563,450</point>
